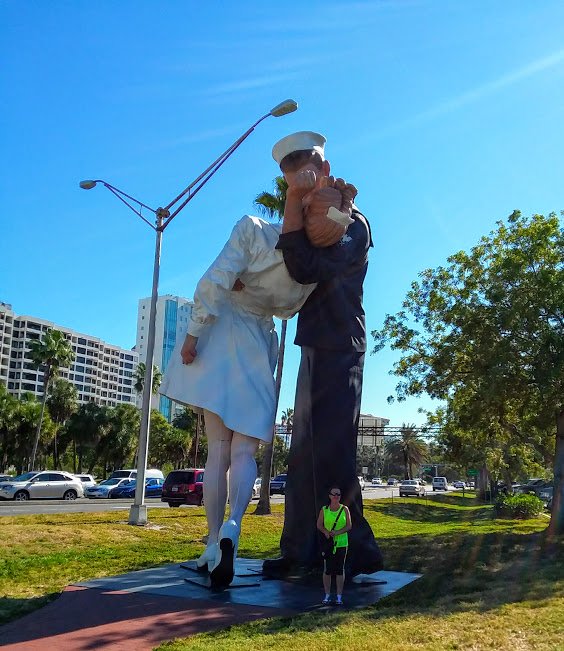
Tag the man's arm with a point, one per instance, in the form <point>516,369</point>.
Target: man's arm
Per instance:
<point>309,264</point>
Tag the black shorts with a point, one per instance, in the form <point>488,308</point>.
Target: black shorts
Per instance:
<point>335,563</point>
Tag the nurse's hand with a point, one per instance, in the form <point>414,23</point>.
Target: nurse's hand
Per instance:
<point>188,352</point>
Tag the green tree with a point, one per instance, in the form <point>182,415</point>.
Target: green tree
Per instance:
<point>62,403</point>
<point>272,206</point>
<point>168,444</point>
<point>85,429</point>
<point>8,420</point>
<point>287,419</point>
<point>27,414</point>
<point>118,434</point>
<point>407,448</point>
<point>367,456</point>
<point>192,424</point>
<point>485,333</point>
<point>48,354</point>
<point>140,378</point>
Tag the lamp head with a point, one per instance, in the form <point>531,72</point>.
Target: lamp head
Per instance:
<point>87,185</point>
<point>287,106</point>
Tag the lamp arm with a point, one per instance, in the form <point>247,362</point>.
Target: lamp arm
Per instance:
<point>118,194</point>
<point>214,166</point>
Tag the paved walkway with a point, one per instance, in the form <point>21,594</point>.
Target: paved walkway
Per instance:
<point>141,609</point>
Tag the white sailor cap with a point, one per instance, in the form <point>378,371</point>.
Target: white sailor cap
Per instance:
<point>302,140</point>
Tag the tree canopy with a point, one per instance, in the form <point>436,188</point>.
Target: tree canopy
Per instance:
<point>485,333</point>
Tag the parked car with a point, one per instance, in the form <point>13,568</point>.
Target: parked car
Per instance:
<point>131,473</point>
<point>5,478</point>
<point>362,483</point>
<point>392,481</point>
<point>278,484</point>
<point>184,487</point>
<point>411,487</point>
<point>153,488</point>
<point>256,487</point>
<point>439,484</point>
<point>376,481</point>
<point>42,485</point>
<point>87,481</point>
<point>459,484</point>
<point>545,495</point>
<point>103,489</point>
<point>534,486</point>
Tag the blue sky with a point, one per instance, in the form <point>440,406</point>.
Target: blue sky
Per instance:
<point>446,115</point>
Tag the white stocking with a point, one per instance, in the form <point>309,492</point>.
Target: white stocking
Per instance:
<point>242,475</point>
<point>215,475</point>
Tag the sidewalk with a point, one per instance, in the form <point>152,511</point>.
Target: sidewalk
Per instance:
<point>141,609</point>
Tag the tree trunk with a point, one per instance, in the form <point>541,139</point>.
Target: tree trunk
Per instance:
<point>556,526</point>
<point>197,442</point>
<point>263,506</point>
<point>483,485</point>
<point>46,375</point>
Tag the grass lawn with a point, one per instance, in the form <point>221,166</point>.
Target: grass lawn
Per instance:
<point>488,583</point>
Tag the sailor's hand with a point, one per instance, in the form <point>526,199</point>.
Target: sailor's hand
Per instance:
<point>301,183</point>
<point>188,352</point>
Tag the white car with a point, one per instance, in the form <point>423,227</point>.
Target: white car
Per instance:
<point>86,480</point>
<point>439,484</point>
<point>361,482</point>
<point>376,481</point>
<point>102,490</point>
<point>411,487</point>
<point>49,484</point>
<point>256,487</point>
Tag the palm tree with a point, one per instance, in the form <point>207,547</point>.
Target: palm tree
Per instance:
<point>62,404</point>
<point>140,378</point>
<point>54,352</point>
<point>408,448</point>
<point>271,205</point>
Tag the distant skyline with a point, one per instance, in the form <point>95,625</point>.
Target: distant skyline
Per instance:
<point>446,116</point>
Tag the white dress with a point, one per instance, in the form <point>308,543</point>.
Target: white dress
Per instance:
<point>232,375</point>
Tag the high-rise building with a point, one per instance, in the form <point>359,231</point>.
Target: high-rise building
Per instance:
<point>173,313</point>
<point>6,330</point>
<point>101,373</point>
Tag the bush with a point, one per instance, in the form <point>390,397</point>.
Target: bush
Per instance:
<point>519,506</point>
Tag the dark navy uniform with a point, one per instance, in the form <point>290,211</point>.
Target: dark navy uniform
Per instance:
<point>332,334</point>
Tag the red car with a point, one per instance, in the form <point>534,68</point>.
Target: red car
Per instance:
<point>184,487</point>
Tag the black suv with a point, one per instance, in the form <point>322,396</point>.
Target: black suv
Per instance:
<point>278,484</point>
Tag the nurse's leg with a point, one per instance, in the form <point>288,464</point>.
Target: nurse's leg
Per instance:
<point>241,478</point>
<point>242,474</point>
<point>215,479</point>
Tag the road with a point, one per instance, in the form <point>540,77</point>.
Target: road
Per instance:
<point>85,505</point>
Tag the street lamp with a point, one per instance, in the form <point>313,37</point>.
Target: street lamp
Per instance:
<point>163,217</point>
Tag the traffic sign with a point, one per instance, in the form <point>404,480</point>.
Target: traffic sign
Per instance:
<point>472,472</point>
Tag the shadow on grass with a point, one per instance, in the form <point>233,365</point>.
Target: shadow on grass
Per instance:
<point>12,608</point>
<point>461,573</point>
<point>469,500</point>
<point>421,511</point>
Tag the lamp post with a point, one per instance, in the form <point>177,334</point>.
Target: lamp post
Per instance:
<point>163,217</point>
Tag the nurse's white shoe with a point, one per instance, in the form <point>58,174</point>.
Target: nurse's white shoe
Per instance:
<point>207,559</point>
<point>223,569</point>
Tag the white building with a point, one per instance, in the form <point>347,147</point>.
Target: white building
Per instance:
<point>101,373</point>
<point>173,313</point>
<point>370,430</point>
